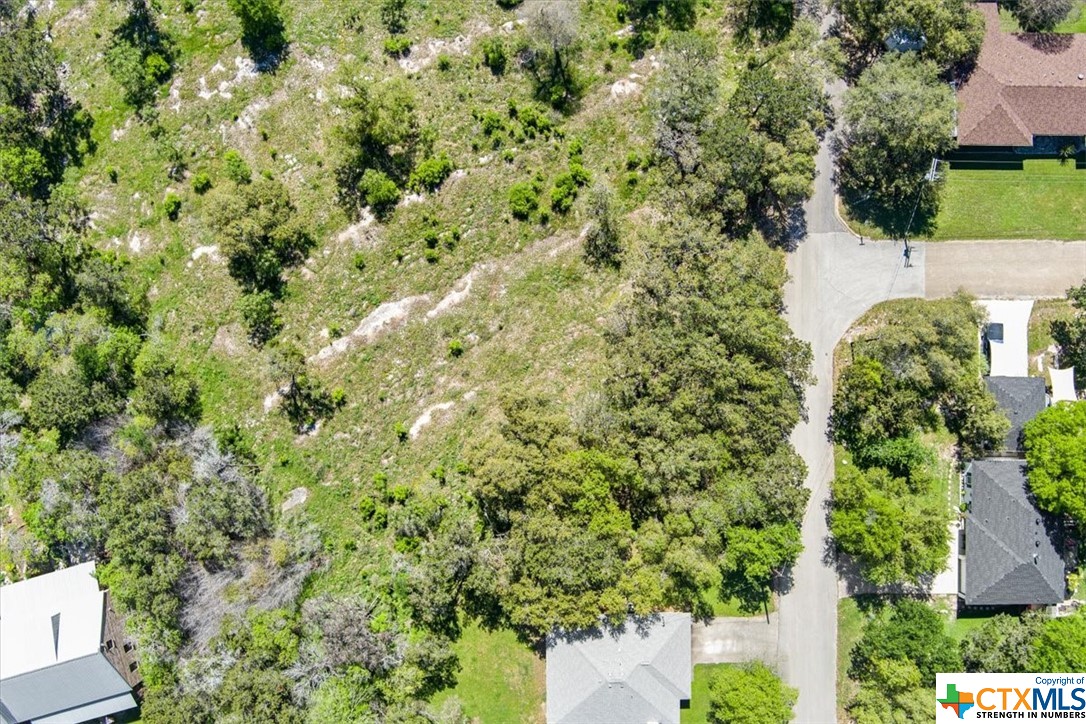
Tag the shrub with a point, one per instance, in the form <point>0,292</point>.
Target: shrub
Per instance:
<point>524,199</point>
<point>394,16</point>
<point>492,123</point>
<point>533,121</point>
<point>430,238</point>
<point>201,183</point>
<point>456,348</point>
<point>432,256</point>
<point>235,168</point>
<point>397,46</point>
<point>172,206</point>
<point>378,191</point>
<point>401,431</point>
<point>444,62</point>
<point>261,320</point>
<point>564,193</point>
<point>359,261</point>
<point>494,56</point>
<point>339,397</point>
<point>262,29</point>
<point>112,173</point>
<point>431,173</point>
<point>580,174</point>
<point>335,331</point>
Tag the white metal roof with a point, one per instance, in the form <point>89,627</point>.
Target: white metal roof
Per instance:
<point>50,619</point>
<point>1063,384</point>
<point>1010,357</point>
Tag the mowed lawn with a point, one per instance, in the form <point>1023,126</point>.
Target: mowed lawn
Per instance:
<point>1043,200</point>
<point>698,713</point>
<point>500,679</point>
<point>1074,23</point>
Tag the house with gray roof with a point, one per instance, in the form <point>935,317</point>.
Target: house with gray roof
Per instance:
<point>63,658</point>
<point>1011,554</point>
<point>1021,399</point>
<point>636,673</point>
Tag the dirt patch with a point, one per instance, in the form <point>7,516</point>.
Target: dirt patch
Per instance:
<point>460,291</point>
<point>296,497</point>
<point>427,417</point>
<point>386,317</point>
<point>424,54</point>
<point>229,340</point>
<point>222,82</point>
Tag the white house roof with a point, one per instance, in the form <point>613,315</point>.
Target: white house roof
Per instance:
<point>1010,355</point>
<point>1063,384</point>
<point>50,619</point>
<point>638,672</point>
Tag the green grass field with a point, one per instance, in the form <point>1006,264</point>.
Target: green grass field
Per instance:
<point>850,627</point>
<point>1075,22</point>
<point>1044,200</point>
<point>961,626</point>
<point>698,713</point>
<point>501,680</point>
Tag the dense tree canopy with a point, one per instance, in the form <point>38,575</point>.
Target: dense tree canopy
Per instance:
<point>896,531</point>
<point>1056,454</point>
<point>898,117</point>
<point>949,32</point>
<point>1061,645</point>
<point>1002,644</point>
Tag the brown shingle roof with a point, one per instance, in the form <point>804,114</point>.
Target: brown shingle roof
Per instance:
<point>1024,84</point>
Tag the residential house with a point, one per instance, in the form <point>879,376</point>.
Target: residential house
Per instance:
<point>637,673</point>
<point>1021,399</point>
<point>63,658</point>
<point>1025,86</point>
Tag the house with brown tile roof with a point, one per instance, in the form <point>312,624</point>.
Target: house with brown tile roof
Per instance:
<point>1024,85</point>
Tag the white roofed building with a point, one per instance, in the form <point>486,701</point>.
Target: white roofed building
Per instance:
<point>63,658</point>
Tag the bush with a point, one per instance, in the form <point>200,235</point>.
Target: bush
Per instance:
<point>201,183</point>
<point>262,30</point>
<point>235,168</point>
<point>397,46</point>
<point>494,56</point>
<point>339,397</point>
<point>456,348</point>
<point>492,123</point>
<point>172,206</point>
<point>444,62</point>
<point>431,173</point>
<point>394,16</point>
<point>401,431</point>
<point>112,173</point>
<point>524,199</point>
<point>359,261</point>
<point>378,191</point>
<point>261,320</point>
<point>564,193</point>
<point>534,121</point>
<point>432,256</point>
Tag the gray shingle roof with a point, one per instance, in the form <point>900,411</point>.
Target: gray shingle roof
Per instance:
<point>63,687</point>
<point>636,673</point>
<point>1010,557</point>
<point>1021,399</point>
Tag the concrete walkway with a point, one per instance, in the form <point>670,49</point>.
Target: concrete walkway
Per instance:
<point>735,640</point>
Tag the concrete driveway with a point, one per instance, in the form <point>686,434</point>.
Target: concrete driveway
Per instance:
<point>1004,269</point>
<point>735,641</point>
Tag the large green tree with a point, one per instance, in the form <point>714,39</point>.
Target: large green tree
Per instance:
<point>949,32</point>
<point>898,118</point>
<point>1056,455</point>
<point>750,694</point>
<point>910,633</point>
<point>1002,644</point>
<point>895,534</point>
<point>1061,646</point>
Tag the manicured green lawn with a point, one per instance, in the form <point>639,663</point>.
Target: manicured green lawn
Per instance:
<point>850,627</point>
<point>698,713</point>
<point>1043,200</point>
<point>500,679</point>
<point>1075,22</point>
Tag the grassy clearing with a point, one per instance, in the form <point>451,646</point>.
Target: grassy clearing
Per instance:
<point>698,712</point>
<point>850,627</point>
<point>965,622</point>
<point>1044,200</point>
<point>1074,23</point>
<point>731,608</point>
<point>501,680</point>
